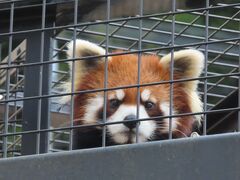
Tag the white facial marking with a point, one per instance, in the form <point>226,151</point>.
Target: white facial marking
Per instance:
<point>120,94</point>
<point>119,132</point>
<point>120,138</point>
<point>92,107</point>
<point>166,112</point>
<point>111,96</point>
<point>152,99</point>
<point>145,95</point>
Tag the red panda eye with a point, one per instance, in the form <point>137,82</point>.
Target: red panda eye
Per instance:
<point>114,103</point>
<point>149,105</point>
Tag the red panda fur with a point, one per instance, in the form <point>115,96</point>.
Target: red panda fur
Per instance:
<point>119,75</point>
<point>122,71</point>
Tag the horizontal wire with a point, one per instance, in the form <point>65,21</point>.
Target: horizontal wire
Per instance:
<point>120,122</point>
<point>31,5</point>
<point>120,87</point>
<point>122,37</point>
<point>119,53</point>
<point>215,16</point>
<point>117,20</point>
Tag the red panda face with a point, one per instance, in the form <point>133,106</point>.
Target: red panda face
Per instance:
<point>122,109</point>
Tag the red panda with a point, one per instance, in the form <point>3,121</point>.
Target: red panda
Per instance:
<point>122,103</point>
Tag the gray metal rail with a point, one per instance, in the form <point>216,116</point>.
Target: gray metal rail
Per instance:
<point>208,157</point>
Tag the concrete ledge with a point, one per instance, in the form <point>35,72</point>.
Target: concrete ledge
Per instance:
<point>210,157</point>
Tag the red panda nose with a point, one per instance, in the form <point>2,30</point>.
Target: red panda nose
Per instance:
<point>130,125</point>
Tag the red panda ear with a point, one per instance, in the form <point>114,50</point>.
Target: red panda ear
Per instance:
<point>188,63</point>
<point>84,49</point>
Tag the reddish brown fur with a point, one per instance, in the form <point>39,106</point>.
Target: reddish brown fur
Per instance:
<point>123,71</point>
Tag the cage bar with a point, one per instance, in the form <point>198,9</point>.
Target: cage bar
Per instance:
<point>139,67</point>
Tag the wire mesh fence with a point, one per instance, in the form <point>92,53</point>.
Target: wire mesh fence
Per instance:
<point>35,116</point>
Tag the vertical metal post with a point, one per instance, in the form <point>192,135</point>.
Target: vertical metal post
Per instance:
<point>46,86</point>
<point>40,83</point>
<point>6,107</point>
<point>104,130</point>
<point>73,74</point>
<point>31,88</point>
<point>239,85</point>
<point>172,69</point>
<point>205,70</point>
<point>0,51</point>
<point>139,67</point>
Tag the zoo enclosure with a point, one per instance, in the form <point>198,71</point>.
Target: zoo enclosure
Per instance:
<point>34,37</point>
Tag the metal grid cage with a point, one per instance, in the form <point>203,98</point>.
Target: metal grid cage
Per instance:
<point>33,63</point>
